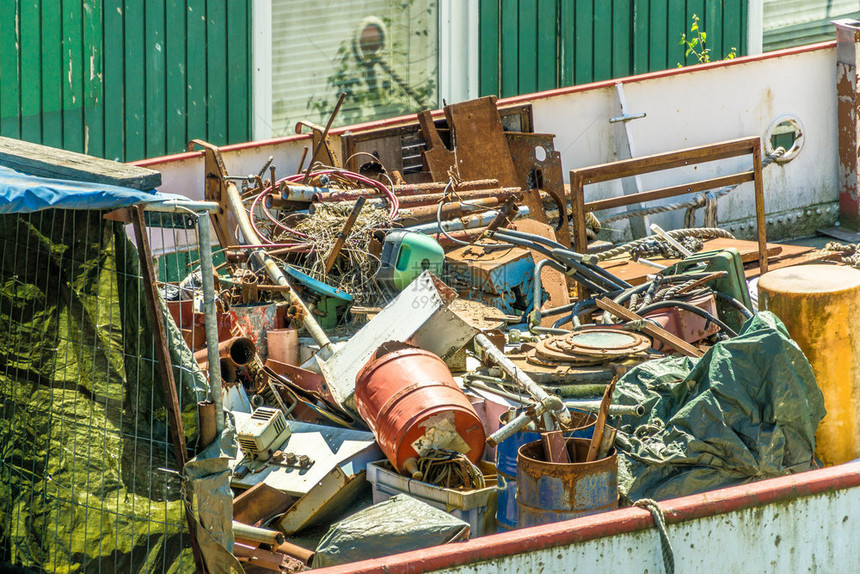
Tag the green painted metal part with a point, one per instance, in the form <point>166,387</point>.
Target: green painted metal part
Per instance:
<point>545,44</point>
<point>122,79</point>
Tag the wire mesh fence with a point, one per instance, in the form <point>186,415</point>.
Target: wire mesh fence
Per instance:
<point>89,481</point>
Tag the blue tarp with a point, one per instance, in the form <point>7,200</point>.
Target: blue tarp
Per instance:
<point>22,193</point>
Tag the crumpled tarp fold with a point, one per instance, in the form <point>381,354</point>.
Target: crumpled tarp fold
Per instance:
<point>747,410</point>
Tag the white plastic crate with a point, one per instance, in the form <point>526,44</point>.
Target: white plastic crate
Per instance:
<point>477,507</point>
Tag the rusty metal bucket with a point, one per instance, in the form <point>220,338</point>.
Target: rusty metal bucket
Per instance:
<point>411,403</point>
<point>253,321</point>
<point>551,492</point>
<point>506,464</point>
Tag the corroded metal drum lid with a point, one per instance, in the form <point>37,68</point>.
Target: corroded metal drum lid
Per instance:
<point>590,344</point>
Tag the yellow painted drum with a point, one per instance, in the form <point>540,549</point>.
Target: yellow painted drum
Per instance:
<point>820,306</point>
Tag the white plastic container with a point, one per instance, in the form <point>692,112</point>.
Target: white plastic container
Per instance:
<point>477,507</point>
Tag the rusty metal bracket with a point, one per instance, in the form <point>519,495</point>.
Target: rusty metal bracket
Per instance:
<point>216,190</point>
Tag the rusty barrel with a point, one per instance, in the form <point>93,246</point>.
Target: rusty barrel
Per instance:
<point>552,492</point>
<point>410,401</point>
<point>506,464</point>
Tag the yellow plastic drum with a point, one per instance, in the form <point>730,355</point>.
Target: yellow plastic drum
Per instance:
<point>820,306</point>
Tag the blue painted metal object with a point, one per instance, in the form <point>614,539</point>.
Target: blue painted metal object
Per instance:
<point>506,466</point>
<point>500,278</point>
<point>551,492</point>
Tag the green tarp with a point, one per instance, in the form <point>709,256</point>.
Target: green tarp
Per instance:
<point>87,476</point>
<point>747,410</point>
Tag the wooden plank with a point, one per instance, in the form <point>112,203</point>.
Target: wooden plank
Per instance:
<point>488,78</point>
<point>216,51</point>
<point>509,49</point>
<point>645,196</point>
<point>814,256</point>
<point>175,66</point>
<point>649,328</point>
<point>622,31</point>
<point>603,51</point>
<point>658,38</point>
<point>677,23</point>
<point>734,26</point>
<point>661,161</point>
<point>73,76</point>
<point>196,100</point>
<point>52,97</point>
<point>566,38</point>
<point>527,48</point>
<point>114,113</point>
<point>713,18</point>
<point>156,78</point>
<point>554,448</point>
<point>31,61</point>
<point>583,65</point>
<point>10,95</point>
<point>135,82</point>
<point>548,34</point>
<point>641,36</point>
<point>46,161</point>
<point>93,100</point>
<point>238,78</point>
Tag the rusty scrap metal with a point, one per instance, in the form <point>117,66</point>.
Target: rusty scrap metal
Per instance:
<point>650,328</point>
<point>344,233</point>
<point>600,425</point>
<point>322,138</point>
<point>409,190</point>
<point>429,213</point>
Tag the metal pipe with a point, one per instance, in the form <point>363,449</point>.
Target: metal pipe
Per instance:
<point>258,535</point>
<point>300,193</point>
<point>277,276</point>
<point>551,403</point>
<point>239,350</point>
<point>181,206</point>
<point>425,213</point>
<point>207,276</point>
<point>328,195</point>
<point>670,240</point>
<point>536,316</point>
<point>614,410</point>
<point>470,222</point>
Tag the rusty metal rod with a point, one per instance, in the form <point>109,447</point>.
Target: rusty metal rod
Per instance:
<point>428,213</point>
<point>551,403</point>
<point>234,201</point>
<point>328,195</point>
<point>344,233</point>
<point>323,136</point>
<point>434,198</point>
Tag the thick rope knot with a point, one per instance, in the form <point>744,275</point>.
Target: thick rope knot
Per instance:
<point>660,522</point>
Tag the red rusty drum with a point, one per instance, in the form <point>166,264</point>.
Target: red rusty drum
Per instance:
<point>412,404</point>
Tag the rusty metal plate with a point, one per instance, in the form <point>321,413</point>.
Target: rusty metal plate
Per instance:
<point>480,146</point>
<point>590,346</point>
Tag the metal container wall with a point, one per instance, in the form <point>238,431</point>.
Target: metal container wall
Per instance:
<point>506,465</point>
<point>819,305</point>
<point>551,492</point>
<point>411,403</point>
<point>254,321</point>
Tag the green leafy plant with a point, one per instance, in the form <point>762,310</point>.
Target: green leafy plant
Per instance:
<point>695,43</point>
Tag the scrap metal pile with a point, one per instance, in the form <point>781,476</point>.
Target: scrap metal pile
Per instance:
<point>416,334</point>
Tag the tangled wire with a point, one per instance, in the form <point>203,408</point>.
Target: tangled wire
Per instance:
<point>450,470</point>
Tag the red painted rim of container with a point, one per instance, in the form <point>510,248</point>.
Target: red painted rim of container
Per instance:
<point>511,101</point>
<point>620,521</point>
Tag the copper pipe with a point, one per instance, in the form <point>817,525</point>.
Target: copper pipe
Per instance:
<point>296,552</point>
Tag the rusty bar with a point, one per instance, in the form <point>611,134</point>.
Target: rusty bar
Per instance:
<point>600,425</point>
<point>344,233</point>
<point>649,328</point>
<point>848,112</point>
<point>165,368</point>
<point>428,213</point>
<point>260,503</point>
<point>296,552</point>
<point>434,198</point>
<point>323,136</point>
<point>404,190</point>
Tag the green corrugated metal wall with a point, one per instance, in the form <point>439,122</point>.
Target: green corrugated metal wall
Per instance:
<point>532,45</point>
<point>125,79</point>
